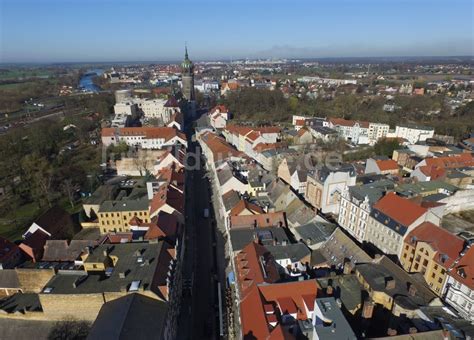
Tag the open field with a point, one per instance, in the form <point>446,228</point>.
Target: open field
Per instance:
<point>23,73</point>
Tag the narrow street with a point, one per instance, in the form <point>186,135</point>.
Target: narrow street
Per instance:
<point>198,318</point>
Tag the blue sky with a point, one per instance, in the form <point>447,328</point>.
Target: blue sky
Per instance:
<point>126,30</point>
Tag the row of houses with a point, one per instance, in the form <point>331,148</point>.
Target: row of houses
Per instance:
<point>360,132</point>
<point>274,219</point>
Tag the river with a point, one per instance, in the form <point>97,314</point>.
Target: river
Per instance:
<point>86,82</point>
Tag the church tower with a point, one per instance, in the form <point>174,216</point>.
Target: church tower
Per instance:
<point>187,71</point>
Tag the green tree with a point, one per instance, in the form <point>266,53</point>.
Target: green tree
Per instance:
<point>385,147</point>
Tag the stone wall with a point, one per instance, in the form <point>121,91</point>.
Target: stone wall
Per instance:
<point>79,306</point>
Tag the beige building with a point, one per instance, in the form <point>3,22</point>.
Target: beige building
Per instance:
<point>114,216</point>
<point>431,251</point>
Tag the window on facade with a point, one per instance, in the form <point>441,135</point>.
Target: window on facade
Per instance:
<point>416,266</point>
<point>433,275</point>
<point>440,280</point>
<point>435,267</point>
<point>425,262</point>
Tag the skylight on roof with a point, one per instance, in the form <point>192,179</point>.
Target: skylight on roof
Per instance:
<point>134,286</point>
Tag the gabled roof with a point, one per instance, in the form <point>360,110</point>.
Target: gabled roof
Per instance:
<point>455,161</point>
<point>61,251</point>
<point>7,249</point>
<point>131,316</point>
<point>231,198</point>
<point>261,220</point>
<point>221,150</point>
<point>388,164</point>
<point>463,271</point>
<point>447,246</point>
<point>245,205</point>
<point>255,265</point>
<point>219,108</point>
<point>171,102</point>
<point>377,272</point>
<point>350,123</point>
<point>399,209</point>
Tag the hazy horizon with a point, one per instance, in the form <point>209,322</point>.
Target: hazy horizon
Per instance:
<point>61,31</point>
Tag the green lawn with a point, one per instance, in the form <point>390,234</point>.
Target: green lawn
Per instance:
<point>14,224</point>
<point>24,73</point>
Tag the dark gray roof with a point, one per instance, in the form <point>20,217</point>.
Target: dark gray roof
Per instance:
<point>129,262</point>
<point>340,247</point>
<point>317,258</point>
<point>347,288</point>
<point>60,250</point>
<point>267,236</point>
<point>21,302</point>
<point>374,191</point>
<point>140,204</point>
<point>9,279</point>
<point>103,193</point>
<point>315,232</point>
<point>324,130</point>
<point>338,328</point>
<point>370,178</point>
<point>133,316</point>
<point>224,175</point>
<point>378,272</point>
<point>434,197</point>
<point>296,251</point>
<point>230,199</point>
<point>447,318</point>
<point>297,213</point>
<point>323,172</point>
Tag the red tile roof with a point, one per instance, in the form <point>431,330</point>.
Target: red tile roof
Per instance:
<point>463,271</point>
<point>456,161</point>
<point>260,147</point>
<point>167,194</point>
<point>433,172</point>
<point>220,149</point>
<point>400,209</point>
<point>245,205</point>
<point>265,303</point>
<point>260,220</point>
<point>255,265</point>
<point>387,164</point>
<point>446,245</point>
<point>220,108</point>
<point>346,122</point>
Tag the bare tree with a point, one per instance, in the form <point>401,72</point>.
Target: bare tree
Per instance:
<point>69,329</point>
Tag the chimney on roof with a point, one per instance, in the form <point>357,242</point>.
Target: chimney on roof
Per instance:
<point>329,290</point>
<point>391,332</point>
<point>368,309</point>
<point>412,330</point>
<point>105,252</point>
<point>389,283</point>
<point>412,290</point>
<point>348,266</point>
